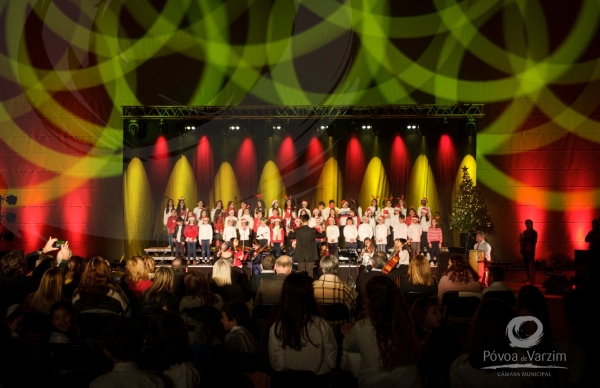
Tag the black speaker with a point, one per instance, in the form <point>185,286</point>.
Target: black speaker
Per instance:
<point>556,285</point>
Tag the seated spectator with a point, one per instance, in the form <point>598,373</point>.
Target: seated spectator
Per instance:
<point>45,264</point>
<point>495,278</point>
<point>418,278</point>
<point>235,319</point>
<point>269,289</point>
<point>458,277</point>
<point>159,294</point>
<point>198,294</point>
<point>14,285</point>
<point>14,320</point>
<point>62,319</point>
<point>123,343</point>
<point>426,316</point>
<point>238,276</point>
<point>97,293</point>
<point>179,266</point>
<point>150,264</point>
<point>49,292</point>
<point>386,339</point>
<point>136,276</point>
<point>330,289</point>
<point>301,343</point>
<point>169,340</point>
<point>75,268</point>
<point>488,334</point>
<point>221,282</point>
<point>266,266</point>
<point>378,261</point>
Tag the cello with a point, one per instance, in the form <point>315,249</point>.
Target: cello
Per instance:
<point>389,266</point>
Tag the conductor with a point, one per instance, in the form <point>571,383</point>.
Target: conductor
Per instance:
<point>306,251</point>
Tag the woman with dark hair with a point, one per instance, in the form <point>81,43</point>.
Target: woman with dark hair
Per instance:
<point>160,293</point>
<point>300,341</point>
<point>426,316</point>
<point>458,277</point>
<point>488,334</point>
<point>75,268</point>
<point>170,342</point>
<point>197,294</point>
<point>260,207</point>
<point>386,339</point>
<point>96,292</point>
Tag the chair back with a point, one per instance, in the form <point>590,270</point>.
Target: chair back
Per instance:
<point>506,296</point>
<point>460,306</point>
<point>335,312</point>
<point>412,297</point>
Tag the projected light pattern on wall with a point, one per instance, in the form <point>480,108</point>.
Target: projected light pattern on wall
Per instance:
<point>67,67</point>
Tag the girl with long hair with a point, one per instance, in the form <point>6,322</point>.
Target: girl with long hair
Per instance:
<point>75,268</point>
<point>435,239</point>
<point>191,237</point>
<point>197,294</point>
<point>97,293</point>
<point>48,293</point>
<point>300,340</point>
<point>181,209</point>
<point>167,212</point>
<point>419,278</point>
<point>260,207</point>
<point>386,339</point>
<point>218,206</point>
<point>160,293</point>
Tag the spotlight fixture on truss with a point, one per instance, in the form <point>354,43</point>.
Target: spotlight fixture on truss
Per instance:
<point>163,127</point>
<point>134,127</point>
<point>471,126</point>
<point>9,199</point>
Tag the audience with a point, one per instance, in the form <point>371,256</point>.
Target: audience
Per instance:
<point>458,277</point>
<point>179,266</point>
<point>386,339</point>
<point>123,343</point>
<point>14,285</point>
<point>197,294</point>
<point>13,320</point>
<point>495,278</point>
<point>136,275</point>
<point>301,344</point>
<point>426,316</point>
<point>97,293</point>
<point>235,319</point>
<point>269,289</point>
<point>221,282</point>
<point>419,278</point>
<point>330,289</point>
<point>48,293</point>
<point>266,266</point>
<point>62,319</point>
<point>159,294</point>
<point>75,268</point>
<point>378,261</point>
<point>149,263</point>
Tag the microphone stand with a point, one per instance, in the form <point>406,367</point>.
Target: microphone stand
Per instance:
<point>467,244</point>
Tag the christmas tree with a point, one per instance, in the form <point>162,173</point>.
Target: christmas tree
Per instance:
<point>470,213</point>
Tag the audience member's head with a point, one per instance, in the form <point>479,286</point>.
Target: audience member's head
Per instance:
<point>419,272</point>
<point>135,270</point>
<point>62,315</point>
<point>14,317</point>
<point>45,264</point>
<point>426,314</point>
<point>123,340</point>
<point>488,332</point>
<point>197,285</point>
<point>168,335</point>
<point>95,281</point>
<point>267,262</point>
<point>298,306</point>
<point>379,260</point>
<point>149,264</point>
<point>161,287</point>
<point>221,274</point>
<point>235,313</point>
<point>283,265</point>
<point>49,292</point>
<point>13,264</point>
<point>387,312</point>
<point>330,265</point>
<point>496,274</point>
<point>460,271</point>
<point>178,264</point>
<point>76,266</point>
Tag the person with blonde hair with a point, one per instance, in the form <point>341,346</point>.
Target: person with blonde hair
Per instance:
<point>419,278</point>
<point>221,282</point>
<point>150,266</point>
<point>136,275</point>
<point>49,292</point>
<point>97,293</point>
<point>160,293</point>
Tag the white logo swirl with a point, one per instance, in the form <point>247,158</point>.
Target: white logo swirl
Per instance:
<point>513,332</point>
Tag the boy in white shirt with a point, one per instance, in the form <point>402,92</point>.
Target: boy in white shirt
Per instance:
<point>400,228</point>
<point>414,236</point>
<point>350,233</point>
<point>205,235</point>
<point>364,230</point>
<point>333,234</point>
<point>229,231</point>
<point>381,235</point>
<point>263,233</point>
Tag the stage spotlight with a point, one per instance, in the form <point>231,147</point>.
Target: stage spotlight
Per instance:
<point>234,127</point>
<point>10,217</point>
<point>134,127</point>
<point>471,126</point>
<point>163,127</point>
<point>412,126</point>
<point>10,199</point>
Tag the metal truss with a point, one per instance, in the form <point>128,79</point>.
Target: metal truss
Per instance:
<point>303,112</point>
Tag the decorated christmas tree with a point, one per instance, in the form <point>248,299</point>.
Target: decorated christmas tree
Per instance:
<point>470,213</point>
